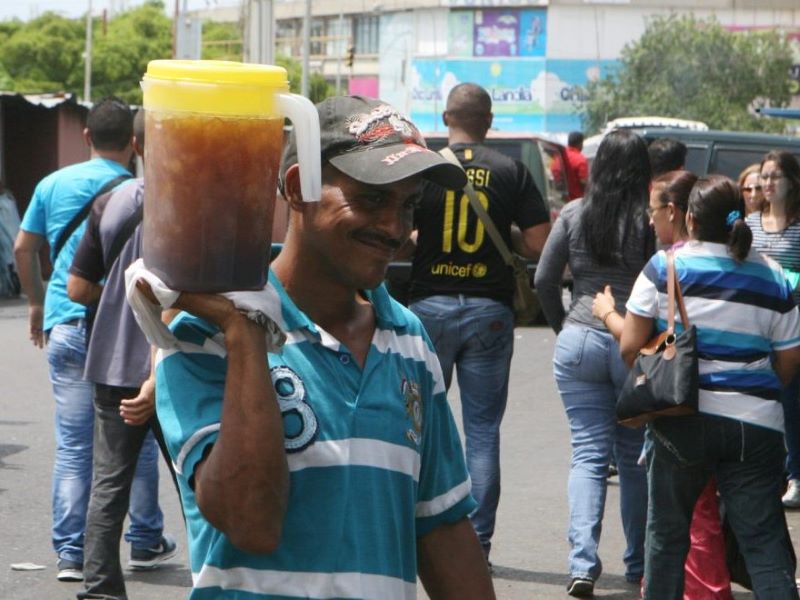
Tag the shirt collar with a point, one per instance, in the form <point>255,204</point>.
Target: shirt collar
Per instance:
<point>388,314</point>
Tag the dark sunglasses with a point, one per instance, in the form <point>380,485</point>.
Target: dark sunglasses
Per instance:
<point>752,188</point>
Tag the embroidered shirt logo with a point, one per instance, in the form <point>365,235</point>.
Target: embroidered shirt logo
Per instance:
<point>413,400</point>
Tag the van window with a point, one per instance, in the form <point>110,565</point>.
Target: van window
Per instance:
<point>696,159</point>
<point>732,161</point>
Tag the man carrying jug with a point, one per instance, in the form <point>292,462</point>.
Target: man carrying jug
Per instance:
<point>333,468</point>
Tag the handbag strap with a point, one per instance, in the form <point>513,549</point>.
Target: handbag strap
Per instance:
<point>675,295</point>
<point>488,224</point>
<point>81,215</point>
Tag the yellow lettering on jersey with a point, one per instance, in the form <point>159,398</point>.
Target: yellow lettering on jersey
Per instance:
<point>479,178</point>
<point>449,210</point>
<point>463,220</point>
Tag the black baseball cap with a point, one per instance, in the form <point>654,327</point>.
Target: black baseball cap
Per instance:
<point>374,143</point>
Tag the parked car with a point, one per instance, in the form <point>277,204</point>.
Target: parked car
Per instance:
<point>713,151</point>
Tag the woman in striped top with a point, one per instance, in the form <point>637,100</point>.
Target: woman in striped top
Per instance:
<point>776,233</point>
<point>748,344</point>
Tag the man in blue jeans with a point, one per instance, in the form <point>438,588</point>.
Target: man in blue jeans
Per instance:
<point>461,289</point>
<point>54,318</point>
<point>118,363</point>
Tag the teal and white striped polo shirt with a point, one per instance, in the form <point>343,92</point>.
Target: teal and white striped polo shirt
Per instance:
<point>743,312</point>
<point>374,457</point>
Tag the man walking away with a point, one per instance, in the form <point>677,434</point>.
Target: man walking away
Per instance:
<point>118,363</point>
<point>56,215</point>
<point>461,289</point>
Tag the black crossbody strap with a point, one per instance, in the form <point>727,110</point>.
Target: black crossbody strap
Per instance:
<point>123,235</point>
<point>81,215</point>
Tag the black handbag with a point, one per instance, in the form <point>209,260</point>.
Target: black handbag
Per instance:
<point>664,377</point>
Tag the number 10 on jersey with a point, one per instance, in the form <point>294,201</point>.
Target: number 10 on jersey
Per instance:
<point>460,227</point>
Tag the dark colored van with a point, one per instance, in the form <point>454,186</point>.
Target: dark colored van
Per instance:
<point>723,152</point>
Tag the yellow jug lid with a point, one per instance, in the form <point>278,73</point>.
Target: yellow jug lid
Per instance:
<point>213,86</point>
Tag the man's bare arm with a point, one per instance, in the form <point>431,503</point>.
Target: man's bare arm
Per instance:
<point>82,290</point>
<point>26,254</point>
<point>530,241</point>
<point>242,485</point>
<point>451,564</point>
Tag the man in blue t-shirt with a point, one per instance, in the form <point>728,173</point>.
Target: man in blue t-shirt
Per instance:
<point>57,199</point>
<point>331,469</point>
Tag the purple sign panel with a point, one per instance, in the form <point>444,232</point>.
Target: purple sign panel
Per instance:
<point>496,32</point>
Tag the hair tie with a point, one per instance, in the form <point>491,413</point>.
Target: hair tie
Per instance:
<point>732,217</point>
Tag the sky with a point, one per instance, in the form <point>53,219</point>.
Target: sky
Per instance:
<point>28,9</point>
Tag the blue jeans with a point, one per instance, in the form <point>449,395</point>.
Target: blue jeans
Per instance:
<point>72,472</point>
<point>747,461</point>
<point>790,399</point>
<point>589,373</point>
<point>476,335</point>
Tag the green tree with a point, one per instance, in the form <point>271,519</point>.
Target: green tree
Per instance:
<point>43,55</point>
<point>120,56</point>
<point>695,69</point>
<point>318,86</point>
<point>222,41</point>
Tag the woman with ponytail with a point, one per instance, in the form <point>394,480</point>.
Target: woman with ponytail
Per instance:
<point>776,233</point>
<point>748,346</point>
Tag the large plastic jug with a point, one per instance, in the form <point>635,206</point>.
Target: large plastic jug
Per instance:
<point>213,143</point>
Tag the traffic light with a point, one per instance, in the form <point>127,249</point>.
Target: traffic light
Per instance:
<point>351,54</point>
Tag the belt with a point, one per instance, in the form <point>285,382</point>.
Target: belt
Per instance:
<point>72,322</point>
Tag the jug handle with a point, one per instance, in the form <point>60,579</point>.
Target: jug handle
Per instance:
<point>305,119</point>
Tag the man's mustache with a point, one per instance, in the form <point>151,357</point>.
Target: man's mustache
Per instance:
<point>379,238</point>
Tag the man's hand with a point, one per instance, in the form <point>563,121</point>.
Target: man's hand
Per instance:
<point>36,322</point>
<point>138,410</point>
<point>26,255</point>
<point>214,308</point>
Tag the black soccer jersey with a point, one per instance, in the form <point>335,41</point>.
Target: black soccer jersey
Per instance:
<point>454,253</point>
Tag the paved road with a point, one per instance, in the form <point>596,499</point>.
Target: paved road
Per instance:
<point>530,545</point>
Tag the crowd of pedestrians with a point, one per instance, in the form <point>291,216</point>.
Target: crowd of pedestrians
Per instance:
<point>307,426</point>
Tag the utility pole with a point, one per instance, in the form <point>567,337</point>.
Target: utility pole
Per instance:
<point>306,48</point>
<point>339,50</point>
<point>260,27</point>
<point>175,29</point>
<point>87,59</point>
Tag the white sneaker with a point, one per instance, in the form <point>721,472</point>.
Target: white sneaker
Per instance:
<point>791,499</point>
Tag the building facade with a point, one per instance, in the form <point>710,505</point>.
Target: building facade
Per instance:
<point>534,56</point>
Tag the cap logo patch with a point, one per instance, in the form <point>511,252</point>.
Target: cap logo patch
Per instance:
<point>383,122</point>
